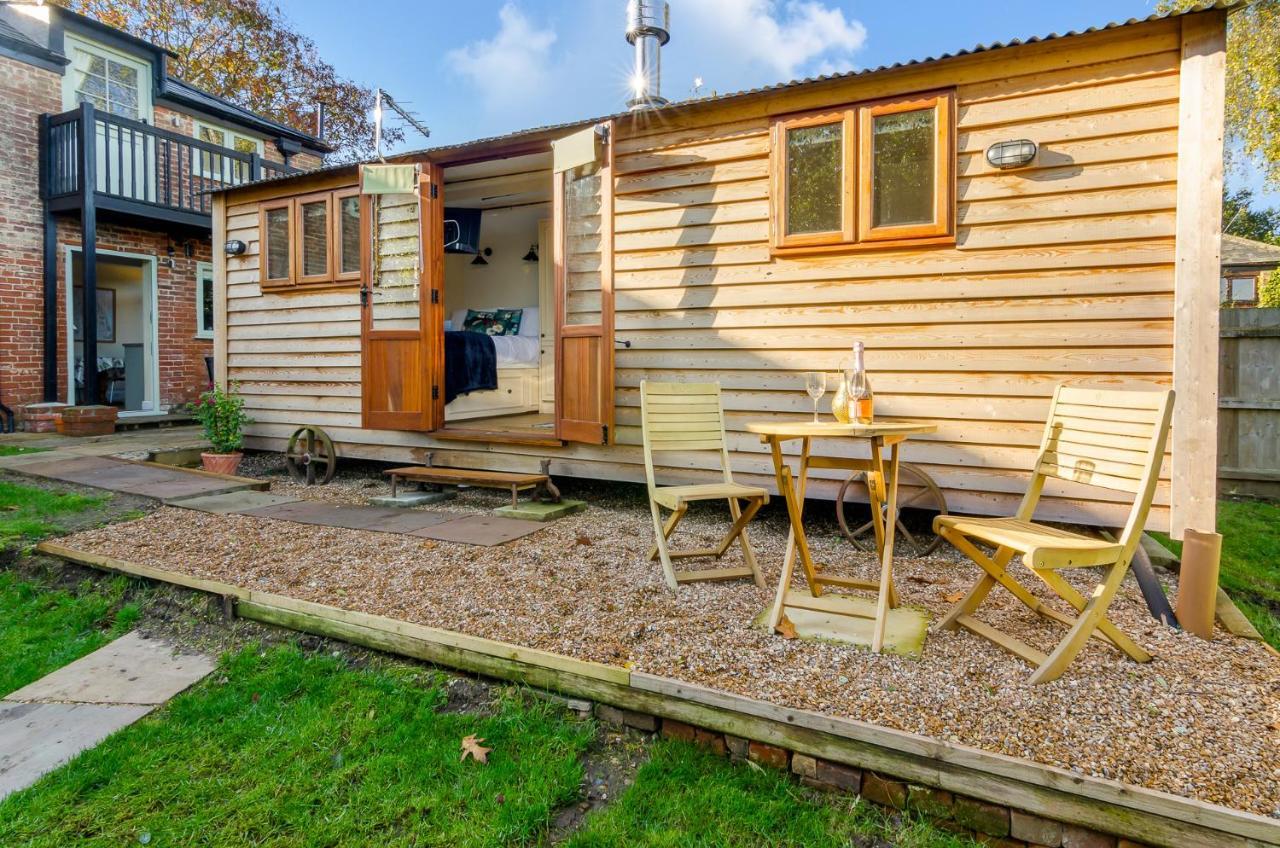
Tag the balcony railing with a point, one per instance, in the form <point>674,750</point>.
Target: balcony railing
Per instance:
<point>139,169</point>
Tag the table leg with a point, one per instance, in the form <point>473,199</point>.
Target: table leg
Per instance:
<point>887,597</point>
<point>797,544</point>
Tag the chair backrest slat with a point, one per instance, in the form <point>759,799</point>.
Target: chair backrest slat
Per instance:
<point>1105,438</point>
<point>681,417</point>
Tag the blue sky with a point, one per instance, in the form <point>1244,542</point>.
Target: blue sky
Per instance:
<point>485,67</point>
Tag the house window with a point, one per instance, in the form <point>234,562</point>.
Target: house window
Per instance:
<point>311,240</point>
<point>871,174</point>
<point>112,81</point>
<point>204,300</point>
<point>225,168</point>
<point>1240,291</point>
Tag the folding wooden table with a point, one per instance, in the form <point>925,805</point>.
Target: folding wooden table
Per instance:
<point>882,479</point>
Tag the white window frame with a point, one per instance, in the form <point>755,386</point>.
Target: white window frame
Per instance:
<point>77,46</point>
<point>204,281</point>
<point>230,137</point>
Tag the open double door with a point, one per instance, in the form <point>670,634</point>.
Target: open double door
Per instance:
<point>402,310</point>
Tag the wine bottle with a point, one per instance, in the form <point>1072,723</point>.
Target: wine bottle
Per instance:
<point>861,397</point>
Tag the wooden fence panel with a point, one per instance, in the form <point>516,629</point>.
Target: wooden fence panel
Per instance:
<point>1249,403</point>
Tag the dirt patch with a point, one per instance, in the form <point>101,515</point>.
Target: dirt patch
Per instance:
<point>609,768</point>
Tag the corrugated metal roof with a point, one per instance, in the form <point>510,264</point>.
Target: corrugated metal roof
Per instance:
<point>782,86</point>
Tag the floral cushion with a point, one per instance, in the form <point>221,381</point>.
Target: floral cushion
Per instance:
<point>493,322</point>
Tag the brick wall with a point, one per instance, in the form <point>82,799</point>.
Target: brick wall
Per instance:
<point>26,92</point>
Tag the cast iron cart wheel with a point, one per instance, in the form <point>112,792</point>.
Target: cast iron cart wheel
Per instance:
<point>917,490</point>
<point>310,457</point>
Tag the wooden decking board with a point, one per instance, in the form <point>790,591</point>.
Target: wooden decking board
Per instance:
<point>1147,815</point>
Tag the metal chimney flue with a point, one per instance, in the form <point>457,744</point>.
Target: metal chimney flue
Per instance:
<point>648,28</point>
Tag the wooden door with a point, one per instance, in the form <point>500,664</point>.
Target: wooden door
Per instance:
<point>582,220</point>
<point>402,252</point>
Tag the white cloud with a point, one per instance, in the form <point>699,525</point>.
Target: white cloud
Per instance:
<point>511,68</point>
<point>794,39</point>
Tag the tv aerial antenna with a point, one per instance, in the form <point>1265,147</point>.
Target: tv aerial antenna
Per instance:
<point>383,100</point>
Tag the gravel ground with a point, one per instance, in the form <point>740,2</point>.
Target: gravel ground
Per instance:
<point>1201,720</point>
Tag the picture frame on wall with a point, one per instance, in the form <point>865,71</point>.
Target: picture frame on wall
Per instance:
<point>106,299</point>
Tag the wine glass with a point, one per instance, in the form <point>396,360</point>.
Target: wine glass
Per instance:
<point>815,383</point>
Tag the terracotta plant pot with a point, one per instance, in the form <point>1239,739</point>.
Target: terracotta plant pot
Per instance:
<point>221,463</point>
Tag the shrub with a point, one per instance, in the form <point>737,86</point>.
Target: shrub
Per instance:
<point>221,413</point>
<point>1269,289</point>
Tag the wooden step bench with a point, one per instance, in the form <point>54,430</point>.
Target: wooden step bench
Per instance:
<point>518,482</point>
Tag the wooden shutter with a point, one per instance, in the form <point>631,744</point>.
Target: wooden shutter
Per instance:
<point>401,270</point>
<point>582,218</point>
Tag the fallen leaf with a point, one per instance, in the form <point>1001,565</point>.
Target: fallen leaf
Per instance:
<point>786,629</point>
<point>953,597</point>
<point>471,746</point>
<point>583,540</point>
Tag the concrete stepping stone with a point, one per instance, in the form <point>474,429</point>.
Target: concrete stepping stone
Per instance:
<point>484,530</point>
<point>50,721</point>
<point>131,670</point>
<point>232,502</point>
<point>539,511</point>
<point>37,738</point>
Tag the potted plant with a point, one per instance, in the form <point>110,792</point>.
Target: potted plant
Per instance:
<point>221,413</point>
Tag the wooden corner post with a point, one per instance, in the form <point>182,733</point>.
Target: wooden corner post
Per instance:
<point>220,345</point>
<point>1197,270</point>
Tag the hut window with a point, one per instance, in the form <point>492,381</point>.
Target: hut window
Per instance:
<point>311,240</point>
<point>872,174</point>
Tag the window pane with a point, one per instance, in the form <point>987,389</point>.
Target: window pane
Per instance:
<point>206,303</point>
<point>277,244</point>
<point>124,74</point>
<point>1245,289</point>
<point>815,179</point>
<point>902,168</point>
<point>246,145</point>
<point>349,218</point>
<point>212,136</point>
<point>315,239</point>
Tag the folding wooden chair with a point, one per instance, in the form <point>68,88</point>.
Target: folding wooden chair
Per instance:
<point>688,417</point>
<point>1112,439</point>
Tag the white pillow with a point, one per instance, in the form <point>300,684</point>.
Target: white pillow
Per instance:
<point>529,324</point>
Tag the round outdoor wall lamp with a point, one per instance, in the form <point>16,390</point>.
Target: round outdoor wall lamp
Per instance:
<point>235,247</point>
<point>1011,154</point>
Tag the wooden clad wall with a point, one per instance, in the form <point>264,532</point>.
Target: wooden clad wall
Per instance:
<point>1061,272</point>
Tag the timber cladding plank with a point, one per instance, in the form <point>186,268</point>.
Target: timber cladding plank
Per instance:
<point>1150,816</point>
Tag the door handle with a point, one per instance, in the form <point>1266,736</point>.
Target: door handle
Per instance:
<point>364,296</point>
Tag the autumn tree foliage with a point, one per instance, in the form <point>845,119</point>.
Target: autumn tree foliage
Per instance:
<point>246,52</point>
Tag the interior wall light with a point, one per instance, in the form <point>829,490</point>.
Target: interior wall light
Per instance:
<point>480,256</point>
<point>532,255</point>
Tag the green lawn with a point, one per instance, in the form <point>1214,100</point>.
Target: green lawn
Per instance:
<point>286,750</point>
<point>686,797</point>
<point>1250,561</point>
<point>42,629</point>
<point>16,450</point>
<point>27,512</point>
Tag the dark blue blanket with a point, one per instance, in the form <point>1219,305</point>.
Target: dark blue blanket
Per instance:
<point>470,363</point>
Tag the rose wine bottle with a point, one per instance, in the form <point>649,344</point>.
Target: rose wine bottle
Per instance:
<point>860,396</point>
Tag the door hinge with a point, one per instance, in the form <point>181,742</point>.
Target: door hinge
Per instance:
<point>364,296</point>
<point>435,191</point>
<point>435,295</point>
<point>435,392</point>
<point>604,434</point>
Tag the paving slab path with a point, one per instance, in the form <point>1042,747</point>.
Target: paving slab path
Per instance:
<point>50,721</point>
<point>164,483</point>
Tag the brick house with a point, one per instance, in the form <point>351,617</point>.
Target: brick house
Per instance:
<point>105,253</point>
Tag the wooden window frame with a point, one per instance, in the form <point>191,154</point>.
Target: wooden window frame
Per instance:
<point>264,247</point>
<point>857,232</point>
<point>783,239</point>
<point>943,104</point>
<point>333,275</point>
<point>339,276</point>
<point>325,276</point>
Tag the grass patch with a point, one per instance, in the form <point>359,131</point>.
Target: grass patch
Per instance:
<point>685,796</point>
<point>18,450</point>
<point>284,749</point>
<point>43,629</point>
<point>27,512</point>
<point>1250,571</point>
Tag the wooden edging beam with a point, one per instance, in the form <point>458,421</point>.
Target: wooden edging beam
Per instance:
<point>1142,814</point>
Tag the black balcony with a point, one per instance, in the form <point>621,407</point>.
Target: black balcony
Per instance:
<point>135,169</point>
